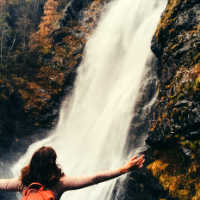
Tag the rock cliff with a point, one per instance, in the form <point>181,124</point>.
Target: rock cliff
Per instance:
<point>175,120</point>
<point>30,97</point>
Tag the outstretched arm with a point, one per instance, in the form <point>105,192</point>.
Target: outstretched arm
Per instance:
<point>13,184</point>
<point>77,182</point>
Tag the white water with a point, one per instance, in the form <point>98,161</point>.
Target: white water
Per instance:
<point>94,121</point>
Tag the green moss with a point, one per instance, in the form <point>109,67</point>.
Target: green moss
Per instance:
<point>168,17</point>
<point>172,97</point>
<point>193,145</point>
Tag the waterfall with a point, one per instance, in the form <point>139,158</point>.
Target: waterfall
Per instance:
<point>94,121</point>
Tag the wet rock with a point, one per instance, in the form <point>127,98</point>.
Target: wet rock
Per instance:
<point>7,134</point>
<point>156,47</point>
<point>139,186</point>
<point>188,18</point>
<point>72,10</point>
<point>193,135</point>
<point>176,48</point>
<point>187,152</point>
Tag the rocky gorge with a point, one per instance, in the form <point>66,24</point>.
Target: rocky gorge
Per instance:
<point>30,105</point>
<point>29,108</point>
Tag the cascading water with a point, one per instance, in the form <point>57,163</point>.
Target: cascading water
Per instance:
<point>94,122</point>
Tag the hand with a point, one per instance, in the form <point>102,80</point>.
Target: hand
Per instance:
<point>133,164</point>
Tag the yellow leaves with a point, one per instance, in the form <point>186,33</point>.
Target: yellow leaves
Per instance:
<point>171,31</point>
<point>153,126</point>
<point>197,67</point>
<point>171,173</point>
<point>165,180</point>
<point>176,45</point>
<point>159,117</point>
<point>157,167</point>
<point>197,196</point>
<point>168,86</point>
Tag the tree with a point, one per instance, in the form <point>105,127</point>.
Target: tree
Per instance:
<point>46,25</point>
<point>24,25</point>
<point>5,30</point>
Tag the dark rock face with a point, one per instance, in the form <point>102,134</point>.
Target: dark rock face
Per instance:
<point>141,184</point>
<point>12,110</point>
<point>17,120</point>
<point>175,118</point>
<point>72,10</point>
<point>177,47</point>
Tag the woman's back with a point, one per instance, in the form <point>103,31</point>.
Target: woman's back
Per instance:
<point>44,170</point>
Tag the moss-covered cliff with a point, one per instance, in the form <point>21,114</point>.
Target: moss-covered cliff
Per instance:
<point>175,120</point>
<point>36,74</point>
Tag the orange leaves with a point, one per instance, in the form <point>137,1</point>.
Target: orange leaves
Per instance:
<point>48,20</point>
<point>50,76</point>
<point>25,95</point>
<point>33,85</point>
<point>40,38</point>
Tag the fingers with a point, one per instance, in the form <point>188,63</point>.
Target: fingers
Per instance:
<point>139,162</point>
<point>134,158</point>
<point>140,166</point>
<point>141,157</point>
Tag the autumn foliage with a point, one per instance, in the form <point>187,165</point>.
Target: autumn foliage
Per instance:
<point>40,38</point>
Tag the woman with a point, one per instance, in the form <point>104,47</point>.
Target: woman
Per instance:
<point>43,169</point>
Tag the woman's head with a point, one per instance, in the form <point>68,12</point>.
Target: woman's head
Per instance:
<point>42,168</point>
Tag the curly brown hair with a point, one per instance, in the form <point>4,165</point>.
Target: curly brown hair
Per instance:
<point>42,168</point>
